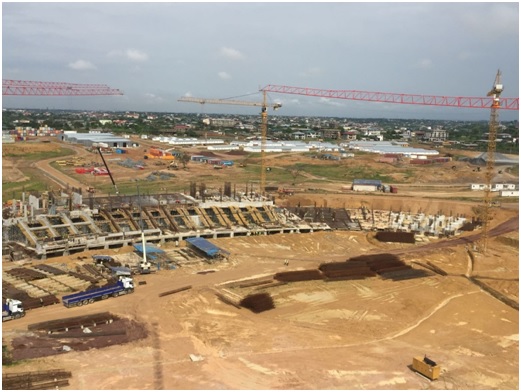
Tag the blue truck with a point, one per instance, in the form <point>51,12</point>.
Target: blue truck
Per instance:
<point>125,285</point>
<point>12,309</point>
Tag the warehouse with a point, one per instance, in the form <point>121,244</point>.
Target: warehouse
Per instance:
<point>361,185</point>
<point>388,147</point>
<point>88,139</point>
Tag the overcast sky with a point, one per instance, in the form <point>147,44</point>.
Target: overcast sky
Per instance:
<point>156,53</point>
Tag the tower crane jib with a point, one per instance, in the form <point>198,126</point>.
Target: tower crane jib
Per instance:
<point>264,122</point>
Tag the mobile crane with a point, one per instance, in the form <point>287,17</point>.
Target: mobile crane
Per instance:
<point>105,145</point>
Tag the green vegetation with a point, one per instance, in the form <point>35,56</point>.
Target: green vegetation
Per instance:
<point>36,181</point>
<point>7,358</point>
<point>38,155</point>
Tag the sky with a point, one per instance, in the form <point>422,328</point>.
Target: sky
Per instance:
<point>159,52</point>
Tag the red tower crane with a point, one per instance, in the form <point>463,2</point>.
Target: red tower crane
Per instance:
<point>411,99</point>
<point>492,101</point>
<point>34,88</point>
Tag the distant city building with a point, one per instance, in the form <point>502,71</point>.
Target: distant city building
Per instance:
<point>223,122</point>
<point>436,135</point>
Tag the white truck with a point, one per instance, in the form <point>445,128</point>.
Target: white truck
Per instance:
<point>12,309</point>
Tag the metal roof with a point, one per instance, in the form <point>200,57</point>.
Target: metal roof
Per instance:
<point>206,246</point>
<point>152,252</point>
<point>367,182</point>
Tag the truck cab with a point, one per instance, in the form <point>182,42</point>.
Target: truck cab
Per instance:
<point>12,309</point>
<point>128,283</point>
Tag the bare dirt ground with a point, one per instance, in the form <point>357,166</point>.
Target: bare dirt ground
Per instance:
<point>354,334</point>
<point>358,334</point>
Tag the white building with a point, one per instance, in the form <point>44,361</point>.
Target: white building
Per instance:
<point>509,193</point>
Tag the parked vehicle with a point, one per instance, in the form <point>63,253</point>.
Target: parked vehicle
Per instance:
<point>12,309</point>
<point>125,285</point>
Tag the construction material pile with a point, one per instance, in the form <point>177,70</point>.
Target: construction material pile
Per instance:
<point>80,333</point>
<point>10,291</point>
<point>350,269</point>
<point>26,274</point>
<point>129,163</point>
<point>297,276</point>
<point>49,379</point>
<point>389,266</point>
<point>392,236</point>
<point>50,269</point>
<point>258,302</point>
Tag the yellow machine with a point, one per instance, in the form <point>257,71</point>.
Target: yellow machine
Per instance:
<point>426,367</point>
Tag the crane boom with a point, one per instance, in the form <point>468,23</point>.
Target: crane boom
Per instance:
<point>410,99</point>
<point>98,146</point>
<point>34,88</point>
<point>275,106</point>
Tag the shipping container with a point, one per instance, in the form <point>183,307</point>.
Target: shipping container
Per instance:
<point>420,161</point>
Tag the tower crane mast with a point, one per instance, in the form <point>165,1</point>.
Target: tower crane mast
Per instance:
<point>494,93</point>
<point>264,123</point>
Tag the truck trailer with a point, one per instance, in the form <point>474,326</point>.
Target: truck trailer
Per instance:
<point>125,285</point>
<point>12,309</point>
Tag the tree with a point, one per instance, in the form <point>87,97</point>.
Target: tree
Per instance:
<point>295,171</point>
<point>184,159</point>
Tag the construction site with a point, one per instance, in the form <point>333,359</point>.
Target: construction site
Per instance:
<point>222,284</point>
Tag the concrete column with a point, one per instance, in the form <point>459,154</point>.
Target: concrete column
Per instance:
<point>231,234</point>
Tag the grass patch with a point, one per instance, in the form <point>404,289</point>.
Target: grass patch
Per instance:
<point>39,155</point>
<point>36,183</point>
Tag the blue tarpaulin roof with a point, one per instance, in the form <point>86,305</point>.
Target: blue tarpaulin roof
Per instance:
<point>152,251</point>
<point>120,270</point>
<point>206,246</point>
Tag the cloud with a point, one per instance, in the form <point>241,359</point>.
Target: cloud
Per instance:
<point>329,102</point>
<point>231,53</point>
<point>424,64</point>
<point>81,65</point>
<point>130,54</point>
<point>464,55</point>
<point>136,55</point>
<point>479,22</point>
<point>311,71</point>
<point>153,98</point>
<point>224,75</point>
